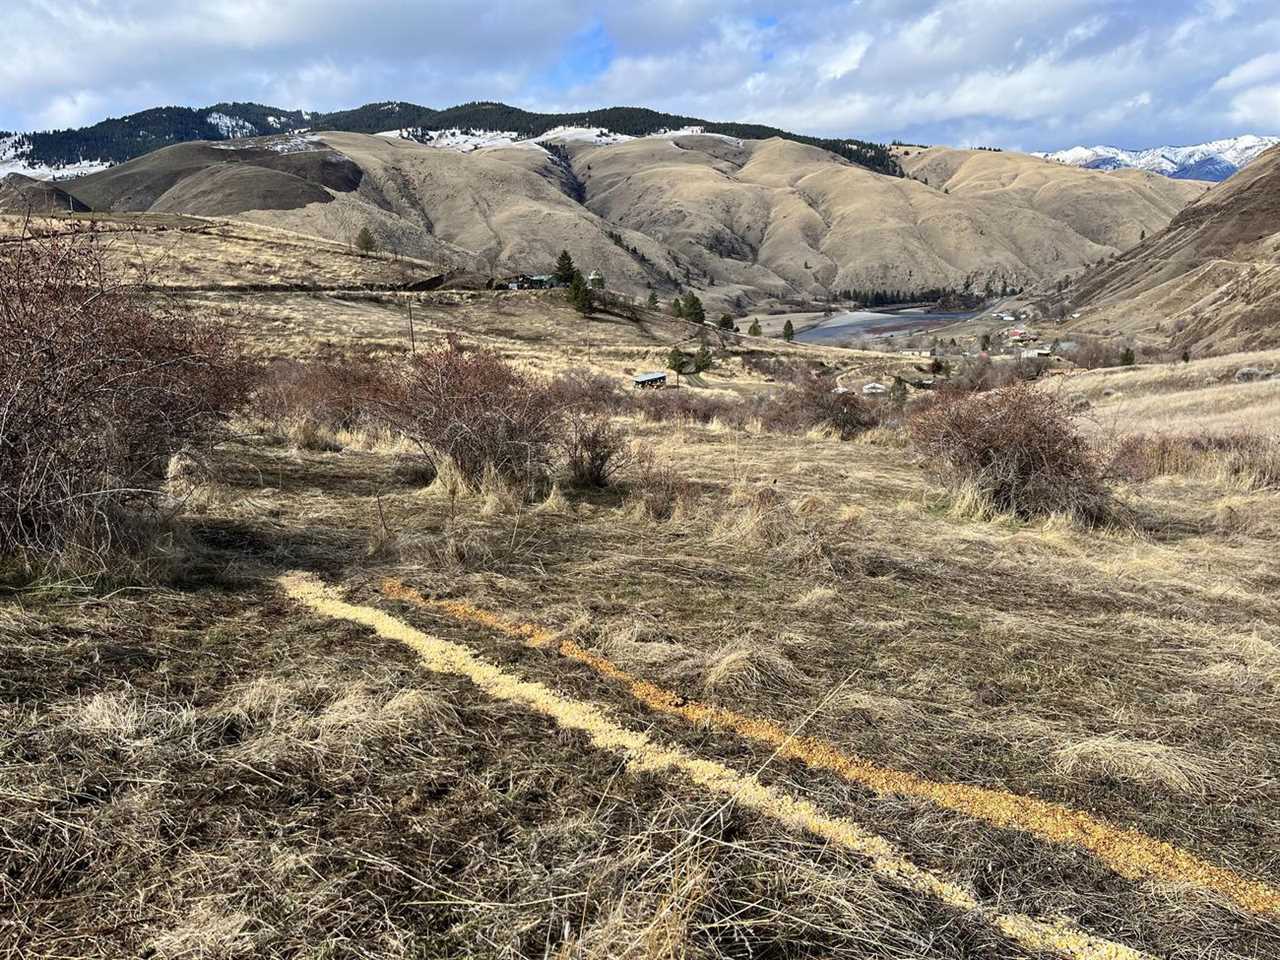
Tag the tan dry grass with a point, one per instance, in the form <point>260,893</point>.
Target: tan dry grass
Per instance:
<point>644,754</point>
<point>1126,851</point>
<point>1137,761</point>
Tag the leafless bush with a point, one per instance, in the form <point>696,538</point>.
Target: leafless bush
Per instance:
<point>99,387</point>
<point>476,409</point>
<point>1018,447</point>
<point>583,389</point>
<point>691,406</point>
<point>594,449</point>
<point>981,373</point>
<point>314,401</point>
<point>1250,460</point>
<point>813,402</point>
<point>659,487</point>
<point>1092,354</point>
<point>782,369</point>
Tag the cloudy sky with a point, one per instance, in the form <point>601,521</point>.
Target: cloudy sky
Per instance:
<point>1024,74</point>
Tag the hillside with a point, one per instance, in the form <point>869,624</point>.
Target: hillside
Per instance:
<point>1210,282</point>
<point>18,192</point>
<point>1111,209</point>
<point>60,153</point>
<point>746,222</point>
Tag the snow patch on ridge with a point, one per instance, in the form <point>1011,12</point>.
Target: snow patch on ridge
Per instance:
<point>15,153</point>
<point>467,141</point>
<point>231,127</point>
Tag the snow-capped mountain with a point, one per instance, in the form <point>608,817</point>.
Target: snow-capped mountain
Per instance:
<point>16,156</point>
<point>466,141</point>
<point>62,154</point>
<point>1216,160</point>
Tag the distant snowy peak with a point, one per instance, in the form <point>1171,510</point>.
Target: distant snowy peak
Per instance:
<point>1216,160</point>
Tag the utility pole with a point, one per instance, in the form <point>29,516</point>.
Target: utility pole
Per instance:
<point>413,341</point>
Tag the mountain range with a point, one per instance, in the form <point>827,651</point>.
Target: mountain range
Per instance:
<point>69,153</point>
<point>1215,161</point>
<point>1209,281</point>
<point>746,221</point>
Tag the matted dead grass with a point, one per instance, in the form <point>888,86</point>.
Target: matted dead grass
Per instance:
<point>642,754</point>
<point>749,664</point>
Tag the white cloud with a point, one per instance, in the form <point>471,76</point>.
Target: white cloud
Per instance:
<point>846,58</point>
<point>1263,67</point>
<point>1036,73</point>
<point>1257,108</point>
<point>73,109</point>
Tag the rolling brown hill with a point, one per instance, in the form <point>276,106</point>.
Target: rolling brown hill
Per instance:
<point>1209,282</point>
<point>1116,209</point>
<point>23,194</point>
<point>746,222</point>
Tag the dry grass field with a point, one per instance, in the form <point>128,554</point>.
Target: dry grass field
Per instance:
<point>183,253</point>
<point>766,696</point>
<point>1185,397</point>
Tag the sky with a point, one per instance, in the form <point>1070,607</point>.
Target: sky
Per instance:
<point>1020,74</point>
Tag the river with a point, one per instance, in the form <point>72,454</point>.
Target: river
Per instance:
<point>846,328</point>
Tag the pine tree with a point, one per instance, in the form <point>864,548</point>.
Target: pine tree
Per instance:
<point>702,359</point>
<point>788,331</point>
<point>1186,355</point>
<point>676,359</point>
<point>564,268</point>
<point>677,308</point>
<point>653,300</point>
<point>754,329</point>
<point>1127,357</point>
<point>693,310</point>
<point>725,322</point>
<point>364,241</point>
<point>580,293</point>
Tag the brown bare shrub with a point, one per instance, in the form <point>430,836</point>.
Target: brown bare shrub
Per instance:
<point>99,387</point>
<point>979,374</point>
<point>1249,460</point>
<point>477,410</point>
<point>1096,354</point>
<point>1016,446</point>
<point>583,389</point>
<point>316,400</point>
<point>594,449</point>
<point>691,406</point>
<point>813,402</point>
